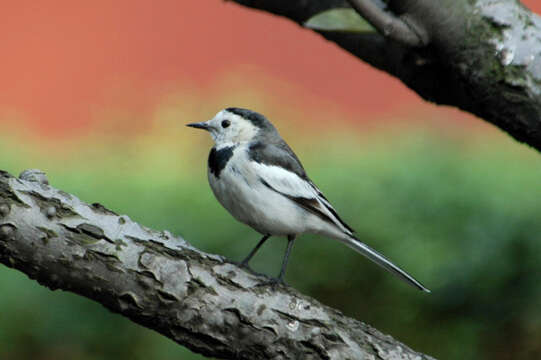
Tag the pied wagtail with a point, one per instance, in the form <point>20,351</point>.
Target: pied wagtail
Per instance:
<point>256,176</point>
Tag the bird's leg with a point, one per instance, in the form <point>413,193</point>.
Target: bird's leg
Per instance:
<point>280,279</point>
<point>244,263</point>
<point>290,240</point>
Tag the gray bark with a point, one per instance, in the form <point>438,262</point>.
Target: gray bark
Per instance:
<point>158,280</point>
<point>483,56</point>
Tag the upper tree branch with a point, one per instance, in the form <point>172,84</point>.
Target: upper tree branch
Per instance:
<point>160,281</point>
<point>484,56</point>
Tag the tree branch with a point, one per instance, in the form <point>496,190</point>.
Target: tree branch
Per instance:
<point>484,56</point>
<point>160,281</point>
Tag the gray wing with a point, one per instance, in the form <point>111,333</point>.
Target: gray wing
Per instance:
<point>302,191</point>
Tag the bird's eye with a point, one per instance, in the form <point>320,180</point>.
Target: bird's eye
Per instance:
<point>226,123</point>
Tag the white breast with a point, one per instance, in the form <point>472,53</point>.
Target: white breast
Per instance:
<point>240,190</point>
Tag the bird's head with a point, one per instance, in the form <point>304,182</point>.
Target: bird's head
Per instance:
<point>236,125</point>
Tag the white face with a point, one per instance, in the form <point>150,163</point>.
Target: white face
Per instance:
<point>227,127</point>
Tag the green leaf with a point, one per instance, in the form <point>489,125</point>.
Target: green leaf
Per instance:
<point>342,19</point>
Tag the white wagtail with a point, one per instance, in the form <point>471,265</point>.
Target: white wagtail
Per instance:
<point>256,176</point>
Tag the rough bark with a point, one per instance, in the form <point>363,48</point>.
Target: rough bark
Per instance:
<point>158,280</point>
<point>483,56</point>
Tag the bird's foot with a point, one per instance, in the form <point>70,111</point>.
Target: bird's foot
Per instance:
<point>273,283</point>
<point>270,281</point>
<point>244,265</point>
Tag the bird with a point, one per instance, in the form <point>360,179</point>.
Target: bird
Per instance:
<point>260,181</point>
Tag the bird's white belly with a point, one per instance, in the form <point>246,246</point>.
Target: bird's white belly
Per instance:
<point>243,194</point>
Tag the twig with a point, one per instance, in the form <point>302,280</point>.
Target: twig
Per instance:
<point>401,29</point>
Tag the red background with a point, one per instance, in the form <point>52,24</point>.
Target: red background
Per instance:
<point>62,59</point>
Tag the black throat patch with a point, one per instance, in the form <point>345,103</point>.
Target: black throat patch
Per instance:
<point>218,159</point>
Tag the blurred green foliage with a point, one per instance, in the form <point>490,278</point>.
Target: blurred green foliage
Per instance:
<point>463,215</point>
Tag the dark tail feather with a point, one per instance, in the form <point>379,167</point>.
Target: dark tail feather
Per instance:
<point>382,261</point>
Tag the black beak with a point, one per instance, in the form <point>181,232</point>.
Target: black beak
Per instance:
<point>199,125</point>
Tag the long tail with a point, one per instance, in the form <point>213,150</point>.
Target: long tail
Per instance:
<point>382,261</point>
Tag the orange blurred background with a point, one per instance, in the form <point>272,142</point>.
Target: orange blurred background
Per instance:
<point>66,65</point>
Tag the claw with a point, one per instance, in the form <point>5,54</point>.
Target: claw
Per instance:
<point>243,265</point>
<point>273,283</point>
